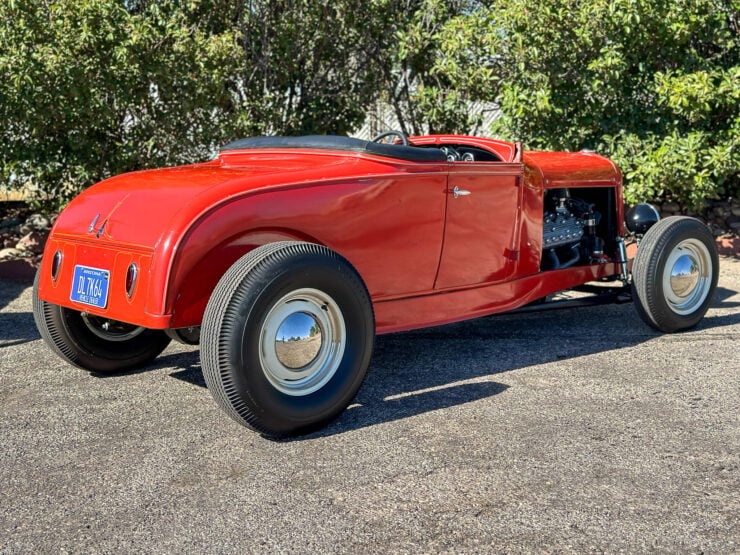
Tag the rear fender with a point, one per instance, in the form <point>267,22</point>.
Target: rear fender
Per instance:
<point>196,271</point>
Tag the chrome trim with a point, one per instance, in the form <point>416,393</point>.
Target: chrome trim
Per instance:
<point>133,268</point>
<point>457,192</point>
<point>92,225</point>
<point>624,270</point>
<point>298,340</point>
<point>56,264</point>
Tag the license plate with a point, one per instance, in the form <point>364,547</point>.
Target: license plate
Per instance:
<point>90,286</point>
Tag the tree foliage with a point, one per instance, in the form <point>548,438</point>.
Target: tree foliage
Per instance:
<point>303,67</point>
<point>433,62</point>
<point>93,89</point>
<point>655,85</point>
<point>97,87</point>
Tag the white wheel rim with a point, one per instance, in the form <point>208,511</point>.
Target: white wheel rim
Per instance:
<point>302,342</point>
<point>687,276</point>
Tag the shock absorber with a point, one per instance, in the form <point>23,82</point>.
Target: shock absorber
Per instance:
<point>624,271</point>
<point>593,242</point>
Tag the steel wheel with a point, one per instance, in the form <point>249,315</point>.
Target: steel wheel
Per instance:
<point>675,273</point>
<point>302,342</point>
<point>687,277</point>
<point>287,338</point>
<point>110,330</point>
<point>93,342</point>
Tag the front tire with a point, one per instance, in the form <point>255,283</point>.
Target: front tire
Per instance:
<point>287,338</point>
<point>92,342</point>
<point>675,274</point>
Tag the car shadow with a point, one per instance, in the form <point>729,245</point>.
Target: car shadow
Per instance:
<point>10,290</point>
<point>191,373</point>
<point>16,328</point>
<point>721,294</point>
<point>429,369</point>
<point>187,361</point>
<point>425,370</point>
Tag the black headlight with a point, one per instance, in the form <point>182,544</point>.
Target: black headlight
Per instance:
<point>642,217</point>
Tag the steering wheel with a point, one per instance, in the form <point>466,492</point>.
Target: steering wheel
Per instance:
<point>400,134</point>
<point>452,154</point>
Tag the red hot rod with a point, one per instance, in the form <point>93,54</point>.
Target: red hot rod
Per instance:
<point>286,255</point>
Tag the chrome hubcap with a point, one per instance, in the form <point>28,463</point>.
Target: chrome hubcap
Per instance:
<point>302,342</point>
<point>298,340</point>
<point>687,276</point>
<point>684,275</point>
<point>110,330</point>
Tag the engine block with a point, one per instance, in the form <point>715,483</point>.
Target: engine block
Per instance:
<point>561,228</point>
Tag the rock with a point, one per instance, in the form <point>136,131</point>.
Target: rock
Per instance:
<point>9,222</point>
<point>35,222</point>
<point>672,207</point>
<point>8,254</point>
<point>38,222</point>
<point>716,230</point>
<point>720,211</point>
<point>33,242</point>
<point>736,210</point>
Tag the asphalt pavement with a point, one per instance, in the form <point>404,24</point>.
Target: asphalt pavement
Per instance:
<point>571,431</point>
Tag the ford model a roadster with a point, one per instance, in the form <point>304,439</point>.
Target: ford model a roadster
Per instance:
<point>285,256</point>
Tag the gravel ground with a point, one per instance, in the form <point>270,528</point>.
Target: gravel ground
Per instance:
<point>570,431</point>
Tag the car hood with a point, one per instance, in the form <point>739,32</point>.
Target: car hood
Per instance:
<point>564,169</point>
<point>138,209</point>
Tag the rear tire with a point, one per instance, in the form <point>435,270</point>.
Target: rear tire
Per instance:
<point>675,273</point>
<point>287,338</point>
<point>92,342</point>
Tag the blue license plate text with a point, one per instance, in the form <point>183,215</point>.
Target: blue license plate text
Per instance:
<point>90,286</point>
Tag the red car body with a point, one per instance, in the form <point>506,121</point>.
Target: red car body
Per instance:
<point>427,256</point>
<point>285,256</point>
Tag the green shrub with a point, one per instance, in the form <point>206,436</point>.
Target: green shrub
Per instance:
<point>653,85</point>
<point>91,89</point>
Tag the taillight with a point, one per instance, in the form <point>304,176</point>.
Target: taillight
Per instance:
<point>56,263</point>
<point>131,276</point>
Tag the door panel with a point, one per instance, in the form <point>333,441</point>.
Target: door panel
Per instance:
<point>481,227</point>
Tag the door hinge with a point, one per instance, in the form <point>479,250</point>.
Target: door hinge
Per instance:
<point>511,255</point>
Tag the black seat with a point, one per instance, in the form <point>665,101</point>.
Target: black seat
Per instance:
<point>348,144</point>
